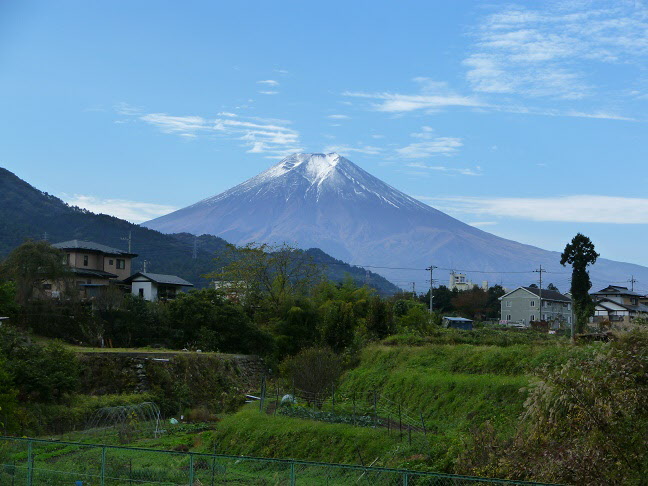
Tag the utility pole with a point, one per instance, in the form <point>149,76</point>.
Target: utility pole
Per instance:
<point>195,248</point>
<point>632,281</point>
<point>431,269</point>
<point>540,290</point>
<point>413,290</point>
<point>145,262</point>
<point>129,239</point>
<point>45,236</point>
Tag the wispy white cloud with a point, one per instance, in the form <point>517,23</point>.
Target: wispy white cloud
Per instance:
<point>133,211</point>
<point>124,108</point>
<point>338,117</point>
<point>479,224</point>
<point>545,52</point>
<point>467,171</point>
<point>431,145</point>
<point>269,92</point>
<point>438,146</point>
<point>572,209</point>
<point>361,149</point>
<point>398,103</point>
<point>272,137</point>
<point>269,82</point>
<point>176,124</point>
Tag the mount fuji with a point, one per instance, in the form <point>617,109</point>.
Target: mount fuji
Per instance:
<point>328,202</point>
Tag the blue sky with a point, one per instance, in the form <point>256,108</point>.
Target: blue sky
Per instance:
<point>527,120</point>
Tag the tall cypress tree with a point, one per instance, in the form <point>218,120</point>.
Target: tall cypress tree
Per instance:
<point>579,254</point>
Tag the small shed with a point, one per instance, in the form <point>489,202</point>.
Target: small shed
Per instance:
<point>457,323</point>
<point>156,286</point>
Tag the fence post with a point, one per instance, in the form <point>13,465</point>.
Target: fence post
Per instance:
<point>292,474</point>
<point>400,422</point>
<point>30,463</point>
<point>333,403</point>
<point>263,390</point>
<point>277,401</point>
<point>103,465</point>
<point>405,479</point>
<point>191,469</point>
<point>354,409</point>
<point>375,408</point>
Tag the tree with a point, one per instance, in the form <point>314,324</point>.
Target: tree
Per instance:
<point>552,287</point>
<point>338,324</point>
<point>7,299</point>
<point>472,303</point>
<point>493,306</point>
<point>442,300</point>
<point>205,319</point>
<point>313,372</point>
<point>379,319</point>
<point>274,272</point>
<point>579,254</point>
<point>31,265</point>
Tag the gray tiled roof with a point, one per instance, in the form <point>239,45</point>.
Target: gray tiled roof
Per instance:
<point>548,294</point>
<point>88,272</point>
<point>616,290</point>
<point>161,279</point>
<point>90,246</point>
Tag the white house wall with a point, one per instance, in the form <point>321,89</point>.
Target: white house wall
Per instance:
<point>150,289</point>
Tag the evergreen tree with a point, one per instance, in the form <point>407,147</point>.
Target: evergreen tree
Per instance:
<point>579,254</point>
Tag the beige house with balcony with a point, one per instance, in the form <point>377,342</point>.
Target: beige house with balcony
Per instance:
<point>94,266</point>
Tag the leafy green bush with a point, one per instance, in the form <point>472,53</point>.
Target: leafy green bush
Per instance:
<point>585,422</point>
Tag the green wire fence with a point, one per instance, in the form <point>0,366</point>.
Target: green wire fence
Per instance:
<point>36,462</point>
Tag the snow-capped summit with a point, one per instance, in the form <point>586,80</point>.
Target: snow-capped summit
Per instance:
<point>326,201</point>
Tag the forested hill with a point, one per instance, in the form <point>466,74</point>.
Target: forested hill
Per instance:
<point>27,213</point>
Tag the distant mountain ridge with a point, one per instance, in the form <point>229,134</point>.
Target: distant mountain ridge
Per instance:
<point>27,213</point>
<point>325,200</point>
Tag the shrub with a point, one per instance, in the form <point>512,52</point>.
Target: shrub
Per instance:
<point>313,371</point>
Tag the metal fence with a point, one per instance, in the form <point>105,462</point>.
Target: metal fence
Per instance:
<point>35,462</point>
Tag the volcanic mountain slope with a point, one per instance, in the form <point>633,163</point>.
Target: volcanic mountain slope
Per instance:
<point>325,200</point>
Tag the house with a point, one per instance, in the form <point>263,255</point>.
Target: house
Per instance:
<point>94,266</point>
<point>155,286</point>
<point>524,305</point>
<point>457,323</point>
<point>618,305</point>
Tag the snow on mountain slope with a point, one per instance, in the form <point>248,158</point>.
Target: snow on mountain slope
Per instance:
<point>325,201</point>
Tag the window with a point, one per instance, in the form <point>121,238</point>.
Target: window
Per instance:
<point>569,319</point>
<point>85,260</point>
<point>508,303</point>
<point>532,317</point>
<point>568,306</point>
<point>110,262</point>
<point>67,259</point>
<point>140,293</point>
<point>47,286</point>
<point>634,301</point>
<point>508,317</point>
<point>533,303</point>
<point>121,264</point>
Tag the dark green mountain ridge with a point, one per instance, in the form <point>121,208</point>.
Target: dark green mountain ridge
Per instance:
<point>28,213</point>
